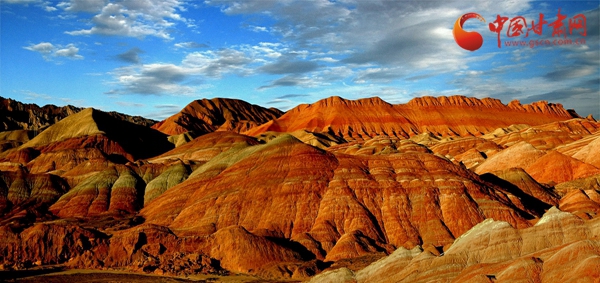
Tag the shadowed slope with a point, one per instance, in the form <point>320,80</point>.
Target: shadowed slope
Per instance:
<point>139,141</point>
<point>77,148</point>
<point>528,185</point>
<point>15,138</point>
<point>77,125</point>
<point>581,197</point>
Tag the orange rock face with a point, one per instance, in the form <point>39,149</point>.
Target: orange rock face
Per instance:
<point>336,206</point>
<point>559,248</point>
<point>218,114</point>
<point>586,149</point>
<point>555,167</point>
<point>520,155</point>
<point>564,160</point>
<point>445,116</point>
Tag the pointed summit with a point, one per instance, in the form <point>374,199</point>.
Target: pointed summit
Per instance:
<point>139,141</point>
<point>217,114</point>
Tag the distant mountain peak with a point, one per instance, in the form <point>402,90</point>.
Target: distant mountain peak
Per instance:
<point>443,116</point>
<point>217,114</point>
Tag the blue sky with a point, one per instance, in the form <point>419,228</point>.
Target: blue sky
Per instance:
<point>151,57</point>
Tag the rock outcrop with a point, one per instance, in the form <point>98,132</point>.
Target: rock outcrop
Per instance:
<point>21,190</point>
<point>520,155</point>
<point>586,149</point>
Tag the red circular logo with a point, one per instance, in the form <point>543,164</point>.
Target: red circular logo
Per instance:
<point>469,40</point>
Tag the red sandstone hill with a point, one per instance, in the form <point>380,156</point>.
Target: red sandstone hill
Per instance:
<point>217,114</point>
<point>443,116</point>
<point>559,248</point>
<point>75,150</point>
<point>86,142</point>
<point>346,188</point>
<point>331,206</point>
<point>136,140</point>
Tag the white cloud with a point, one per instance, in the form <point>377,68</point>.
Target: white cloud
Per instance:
<point>30,95</point>
<point>242,60</point>
<point>91,6</point>
<point>45,5</point>
<point>279,100</point>
<point>49,50</point>
<point>289,66</point>
<point>218,63</point>
<point>130,104</point>
<point>161,78</point>
<point>377,34</point>
<point>70,52</point>
<point>293,81</point>
<point>134,18</point>
<point>190,44</point>
<point>42,47</point>
<point>131,56</point>
<point>154,79</point>
<point>21,1</point>
<point>75,102</point>
<point>164,111</point>
<point>258,29</point>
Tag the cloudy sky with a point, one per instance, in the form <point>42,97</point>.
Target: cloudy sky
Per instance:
<point>152,57</point>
